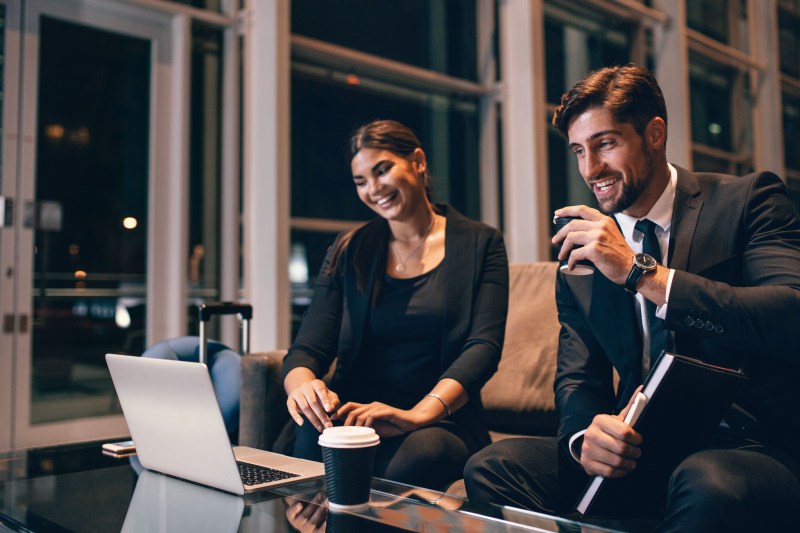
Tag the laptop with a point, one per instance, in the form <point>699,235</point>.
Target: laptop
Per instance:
<point>162,503</point>
<point>174,418</point>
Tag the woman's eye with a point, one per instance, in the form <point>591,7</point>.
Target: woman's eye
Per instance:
<point>360,183</point>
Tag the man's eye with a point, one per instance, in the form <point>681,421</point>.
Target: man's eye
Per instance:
<point>578,151</point>
<point>608,143</point>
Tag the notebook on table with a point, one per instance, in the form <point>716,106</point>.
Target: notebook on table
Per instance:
<point>174,418</point>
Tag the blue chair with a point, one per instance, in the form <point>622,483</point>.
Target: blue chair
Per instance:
<point>224,365</point>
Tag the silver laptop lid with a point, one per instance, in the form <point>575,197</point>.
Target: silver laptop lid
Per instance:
<point>174,419</point>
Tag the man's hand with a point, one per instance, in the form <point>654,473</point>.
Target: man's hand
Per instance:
<point>610,446</point>
<point>602,242</point>
<point>387,421</point>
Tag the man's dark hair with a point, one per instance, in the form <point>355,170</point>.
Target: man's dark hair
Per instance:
<point>631,93</point>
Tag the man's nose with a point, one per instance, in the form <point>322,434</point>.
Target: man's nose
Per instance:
<point>592,165</point>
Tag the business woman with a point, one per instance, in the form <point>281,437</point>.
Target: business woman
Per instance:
<point>413,304</point>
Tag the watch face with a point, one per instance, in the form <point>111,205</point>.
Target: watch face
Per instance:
<point>645,262</point>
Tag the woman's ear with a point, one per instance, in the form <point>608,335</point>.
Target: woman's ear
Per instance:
<point>420,161</point>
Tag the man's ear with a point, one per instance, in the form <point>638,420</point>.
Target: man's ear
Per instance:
<point>656,133</point>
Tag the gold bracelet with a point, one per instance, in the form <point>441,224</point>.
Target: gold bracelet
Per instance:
<point>444,403</point>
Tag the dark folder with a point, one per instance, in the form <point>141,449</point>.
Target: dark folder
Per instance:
<point>686,400</point>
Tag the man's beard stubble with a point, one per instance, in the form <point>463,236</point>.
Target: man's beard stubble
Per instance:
<point>630,190</point>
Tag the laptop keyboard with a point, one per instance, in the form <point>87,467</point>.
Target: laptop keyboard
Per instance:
<point>256,475</point>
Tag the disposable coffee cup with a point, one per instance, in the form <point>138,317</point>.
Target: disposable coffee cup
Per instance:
<point>349,454</point>
<point>582,268</point>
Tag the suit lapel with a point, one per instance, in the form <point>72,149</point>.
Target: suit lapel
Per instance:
<point>685,213</point>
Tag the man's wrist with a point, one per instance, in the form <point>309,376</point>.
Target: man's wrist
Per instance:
<point>641,265</point>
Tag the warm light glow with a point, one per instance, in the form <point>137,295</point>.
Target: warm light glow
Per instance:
<point>80,274</point>
<point>54,131</point>
<point>714,128</point>
<point>80,136</point>
<point>74,249</point>
<point>352,79</point>
<point>130,222</point>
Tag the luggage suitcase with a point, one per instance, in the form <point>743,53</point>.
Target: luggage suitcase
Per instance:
<point>204,313</point>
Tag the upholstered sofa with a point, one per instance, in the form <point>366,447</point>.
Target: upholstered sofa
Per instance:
<point>518,399</point>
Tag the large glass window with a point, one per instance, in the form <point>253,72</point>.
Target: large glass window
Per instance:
<point>434,34</point>
<point>791,131</point>
<point>789,39</point>
<point>91,215</point>
<point>329,101</point>
<point>326,111</point>
<point>711,99</point>
<point>575,46</point>
<point>721,115</point>
<point>204,170</point>
<point>709,17</point>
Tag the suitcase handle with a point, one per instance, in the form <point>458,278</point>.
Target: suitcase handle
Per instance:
<point>206,311</point>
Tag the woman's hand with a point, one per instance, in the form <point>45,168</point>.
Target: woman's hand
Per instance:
<point>387,421</point>
<point>307,517</point>
<point>311,397</point>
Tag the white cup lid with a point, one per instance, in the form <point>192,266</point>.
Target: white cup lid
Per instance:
<point>348,437</point>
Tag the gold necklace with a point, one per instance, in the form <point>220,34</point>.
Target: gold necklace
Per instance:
<point>401,263</point>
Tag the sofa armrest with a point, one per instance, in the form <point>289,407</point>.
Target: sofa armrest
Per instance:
<point>262,408</point>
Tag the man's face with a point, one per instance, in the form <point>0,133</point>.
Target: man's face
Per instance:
<point>614,160</point>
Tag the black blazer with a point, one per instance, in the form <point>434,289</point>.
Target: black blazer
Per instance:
<point>734,301</point>
<point>476,284</point>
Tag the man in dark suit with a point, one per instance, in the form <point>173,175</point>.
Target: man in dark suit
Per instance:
<point>704,264</point>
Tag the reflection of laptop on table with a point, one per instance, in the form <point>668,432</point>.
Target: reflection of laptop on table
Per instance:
<point>162,503</point>
<point>174,419</point>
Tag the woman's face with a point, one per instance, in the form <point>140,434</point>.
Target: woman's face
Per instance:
<point>389,184</point>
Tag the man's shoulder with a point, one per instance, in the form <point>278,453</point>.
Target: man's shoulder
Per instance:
<point>711,185</point>
<point>714,179</point>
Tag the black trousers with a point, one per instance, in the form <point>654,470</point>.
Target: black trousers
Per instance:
<point>744,488</point>
<point>432,457</point>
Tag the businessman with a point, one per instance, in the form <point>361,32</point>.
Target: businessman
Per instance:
<point>706,265</point>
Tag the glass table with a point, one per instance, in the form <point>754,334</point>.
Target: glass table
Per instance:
<point>78,488</point>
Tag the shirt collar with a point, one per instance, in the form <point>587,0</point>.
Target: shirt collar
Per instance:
<point>660,213</point>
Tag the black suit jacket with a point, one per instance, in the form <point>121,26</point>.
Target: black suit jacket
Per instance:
<point>476,302</point>
<point>734,302</point>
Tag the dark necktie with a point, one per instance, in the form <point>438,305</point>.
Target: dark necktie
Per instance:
<point>659,336</point>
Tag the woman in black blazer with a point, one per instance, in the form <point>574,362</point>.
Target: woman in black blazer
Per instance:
<point>414,305</point>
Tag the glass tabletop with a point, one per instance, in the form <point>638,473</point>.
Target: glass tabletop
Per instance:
<point>78,488</point>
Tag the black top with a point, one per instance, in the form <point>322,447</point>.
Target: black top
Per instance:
<point>402,348</point>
